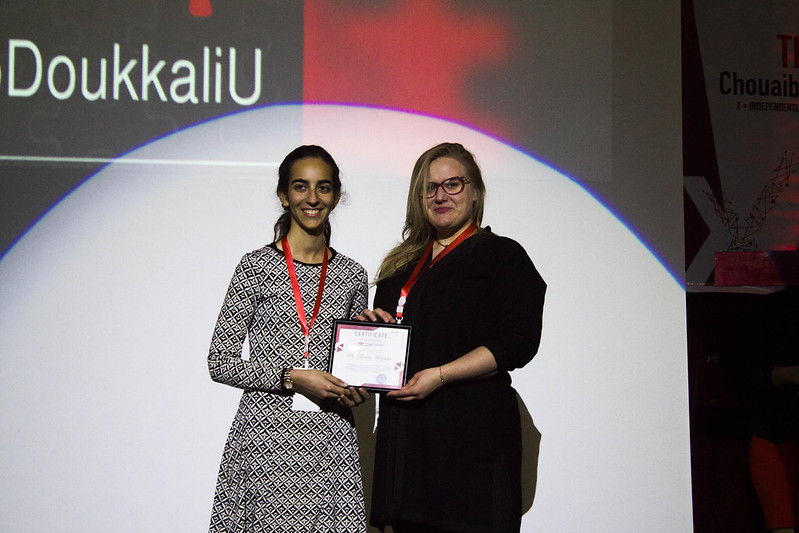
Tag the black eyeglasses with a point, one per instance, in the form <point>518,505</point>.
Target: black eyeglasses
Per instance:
<point>451,186</point>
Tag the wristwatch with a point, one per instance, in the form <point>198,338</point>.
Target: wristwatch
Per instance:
<point>287,384</point>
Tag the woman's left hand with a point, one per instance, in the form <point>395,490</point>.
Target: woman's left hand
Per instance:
<point>353,397</point>
<point>421,385</point>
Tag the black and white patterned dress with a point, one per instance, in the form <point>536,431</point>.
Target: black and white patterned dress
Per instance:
<point>284,470</point>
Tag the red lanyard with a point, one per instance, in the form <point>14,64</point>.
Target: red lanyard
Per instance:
<point>295,287</point>
<point>417,271</point>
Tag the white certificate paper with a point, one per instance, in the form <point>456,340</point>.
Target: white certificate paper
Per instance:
<point>370,355</point>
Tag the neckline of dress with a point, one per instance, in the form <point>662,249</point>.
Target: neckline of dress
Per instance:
<point>333,254</point>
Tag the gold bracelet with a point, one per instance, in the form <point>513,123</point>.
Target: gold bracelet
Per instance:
<point>441,375</point>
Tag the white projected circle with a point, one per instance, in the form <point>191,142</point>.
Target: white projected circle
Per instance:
<point>111,423</point>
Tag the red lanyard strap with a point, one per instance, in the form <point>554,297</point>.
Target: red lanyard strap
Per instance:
<point>417,271</point>
<point>295,287</point>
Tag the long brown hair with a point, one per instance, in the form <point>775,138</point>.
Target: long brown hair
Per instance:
<point>418,231</point>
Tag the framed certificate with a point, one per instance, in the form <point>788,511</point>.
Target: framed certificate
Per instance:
<point>372,355</point>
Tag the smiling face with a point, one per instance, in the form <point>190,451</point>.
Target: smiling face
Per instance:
<point>310,196</point>
<point>449,214</point>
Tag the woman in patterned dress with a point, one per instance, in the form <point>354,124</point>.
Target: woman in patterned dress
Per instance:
<point>290,463</point>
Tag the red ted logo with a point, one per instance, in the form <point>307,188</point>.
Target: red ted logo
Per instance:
<point>200,8</point>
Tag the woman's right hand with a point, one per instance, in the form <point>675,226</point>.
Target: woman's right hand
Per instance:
<point>376,315</point>
<point>317,384</point>
<point>320,385</point>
